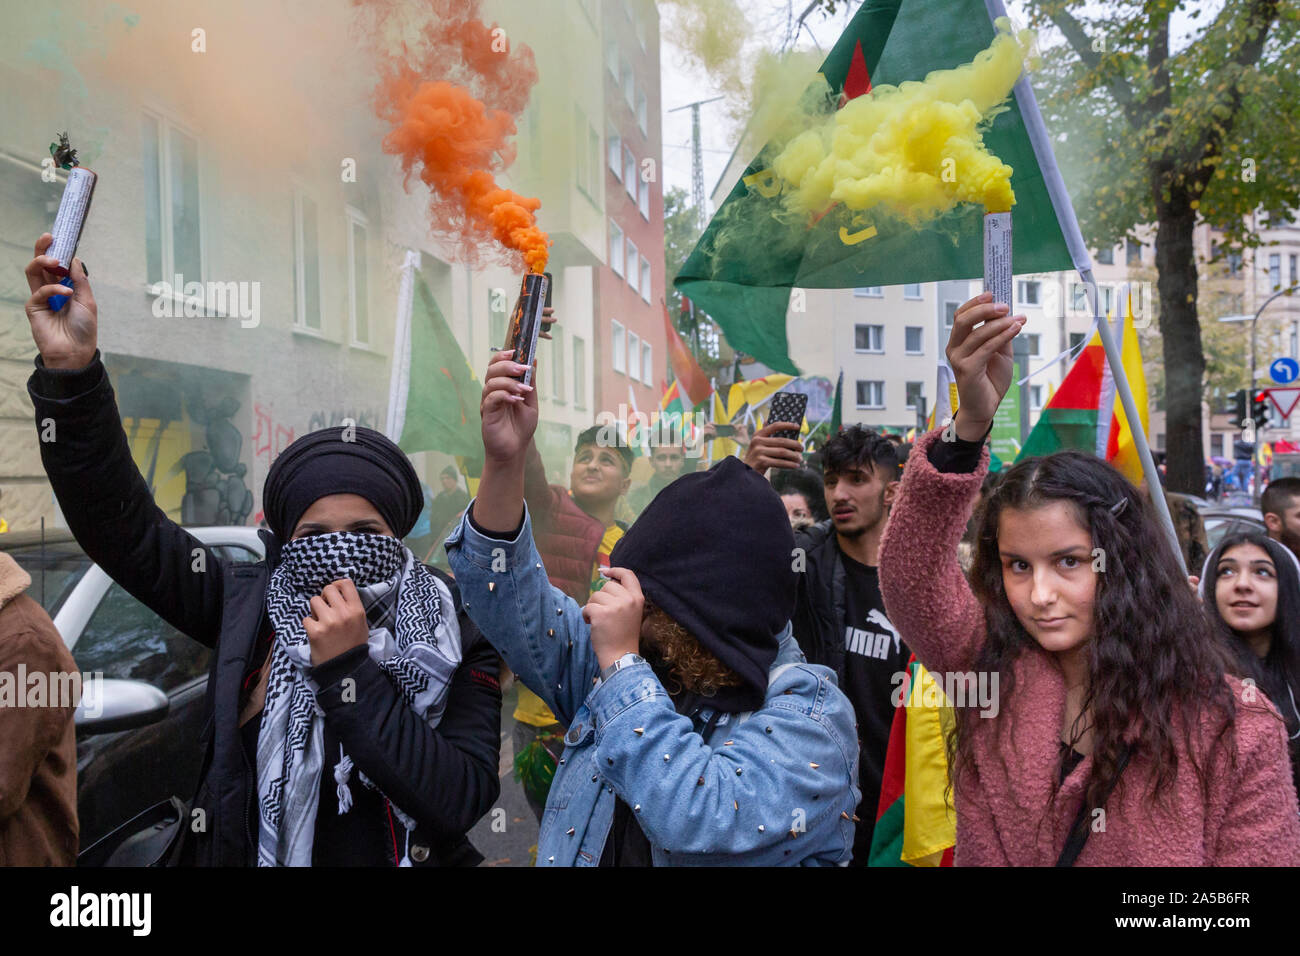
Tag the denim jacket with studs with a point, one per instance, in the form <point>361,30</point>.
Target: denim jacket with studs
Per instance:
<point>774,787</point>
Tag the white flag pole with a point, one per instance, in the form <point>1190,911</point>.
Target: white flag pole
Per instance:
<point>400,382</point>
<point>1069,224</point>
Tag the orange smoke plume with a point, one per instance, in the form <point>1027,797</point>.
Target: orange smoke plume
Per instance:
<point>452,101</point>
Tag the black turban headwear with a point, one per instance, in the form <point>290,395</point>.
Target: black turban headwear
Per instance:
<point>323,463</point>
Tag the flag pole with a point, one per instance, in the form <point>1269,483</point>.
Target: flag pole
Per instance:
<point>399,382</point>
<point>1073,236</point>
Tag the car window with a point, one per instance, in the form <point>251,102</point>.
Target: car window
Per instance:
<point>125,639</point>
<point>54,572</point>
<point>235,552</point>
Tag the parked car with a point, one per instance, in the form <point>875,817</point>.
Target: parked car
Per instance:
<point>1221,521</point>
<point>139,743</point>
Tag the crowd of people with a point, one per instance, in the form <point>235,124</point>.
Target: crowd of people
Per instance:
<point>711,683</point>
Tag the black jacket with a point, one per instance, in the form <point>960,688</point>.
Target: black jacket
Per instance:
<point>818,621</point>
<point>445,778</point>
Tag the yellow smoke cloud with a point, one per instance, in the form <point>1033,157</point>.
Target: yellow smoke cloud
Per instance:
<point>912,151</point>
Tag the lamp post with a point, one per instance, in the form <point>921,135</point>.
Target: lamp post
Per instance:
<point>1250,385</point>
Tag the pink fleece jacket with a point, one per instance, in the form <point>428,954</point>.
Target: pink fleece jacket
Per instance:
<point>1251,818</point>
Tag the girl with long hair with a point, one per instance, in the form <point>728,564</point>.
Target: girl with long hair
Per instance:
<point>1251,590</point>
<point>1118,737</point>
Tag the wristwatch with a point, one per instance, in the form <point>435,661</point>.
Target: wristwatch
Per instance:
<point>627,660</point>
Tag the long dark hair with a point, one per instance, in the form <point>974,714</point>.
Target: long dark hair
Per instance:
<point>1278,673</point>
<point>1154,661</point>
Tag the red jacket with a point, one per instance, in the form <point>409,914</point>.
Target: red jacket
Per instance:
<point>567,538</point>
<point>1251,818</point>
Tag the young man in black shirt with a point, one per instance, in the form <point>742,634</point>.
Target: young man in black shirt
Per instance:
<point>839,618</point>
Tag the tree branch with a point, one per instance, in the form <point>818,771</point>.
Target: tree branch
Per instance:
<point>1081,43</point>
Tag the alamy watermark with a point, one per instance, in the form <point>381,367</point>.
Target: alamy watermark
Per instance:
<point>56,689</point>
<point>208,300</point>
<point>953,689</point>
<point>633,429</point>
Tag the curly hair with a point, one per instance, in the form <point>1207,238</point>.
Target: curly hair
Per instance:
<point>1153,662</point>
<point>690,667</point>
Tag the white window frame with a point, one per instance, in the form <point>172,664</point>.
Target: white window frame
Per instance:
<point>579,372</point>
<point>911,406</point>
<point>916,293</point>
<point>1022,288</point>
<point>633,355</point>
<point>581,158</point>
<point>642,112</point>
<point>647,280</point>
<point>629,172</point>
<point>166,239</point>
<point>613,60</point>
<point>955,306</point>
<point>647,364</point>
<point>914,328</point>
<point>879,387</point>
<point>643,200</point>
<point>629,85</point>
<point>614,154</point>
<point>1034,342</point>
<point>1035,392</point>
<point>557,364</point>
<point>869,292</point>
<point>357,218</point>
<point>880,338</point>
<point>300,267</point>
<point>617,241</point>
<point>634,258</point>
<point>618,345</point>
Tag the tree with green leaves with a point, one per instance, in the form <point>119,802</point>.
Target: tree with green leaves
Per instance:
<point>681,233</point>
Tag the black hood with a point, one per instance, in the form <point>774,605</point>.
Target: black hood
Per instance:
<point>714,551</point>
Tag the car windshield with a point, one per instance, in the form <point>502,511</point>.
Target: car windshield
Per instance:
<point>55,571</point>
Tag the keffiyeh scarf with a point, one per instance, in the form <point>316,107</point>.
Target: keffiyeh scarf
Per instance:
<point>414,638</point>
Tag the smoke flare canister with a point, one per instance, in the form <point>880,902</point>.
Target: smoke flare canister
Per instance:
<point>526,322</point>
<point>71,218</point>
<point>997,256</point>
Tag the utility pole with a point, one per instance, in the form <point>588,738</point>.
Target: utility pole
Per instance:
<point>697,159</point>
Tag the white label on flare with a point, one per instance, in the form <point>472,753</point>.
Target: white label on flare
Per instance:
<point>997,256</point>
<point>72,215</point>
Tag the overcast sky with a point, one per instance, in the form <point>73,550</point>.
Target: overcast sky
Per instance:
<point>681,85</point>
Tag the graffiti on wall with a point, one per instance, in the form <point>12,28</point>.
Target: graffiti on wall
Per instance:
<point>365,417</point>
<point>215,492</point>
<point>269,437</point>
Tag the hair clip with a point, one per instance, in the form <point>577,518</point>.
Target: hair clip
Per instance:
<point>1118,507</point>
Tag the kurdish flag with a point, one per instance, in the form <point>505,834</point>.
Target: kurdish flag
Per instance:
<point>434,395</point>
<point>915,826</point>
<point>689,377</point>
<point>1085,414</point>
<point>756,249</point>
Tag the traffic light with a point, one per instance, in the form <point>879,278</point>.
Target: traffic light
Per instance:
<point>1260,411</point>
<point>1237,407</point>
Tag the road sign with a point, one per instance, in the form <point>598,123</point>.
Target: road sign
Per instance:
<point>1284,399</point>
<point>1284,370</point>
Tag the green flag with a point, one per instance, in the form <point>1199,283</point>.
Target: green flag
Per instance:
<point>751,256</point>
<point>837,409</point>
<point>442,395</point>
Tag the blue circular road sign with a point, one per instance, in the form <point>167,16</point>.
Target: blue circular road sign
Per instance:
<point>1284,371</point>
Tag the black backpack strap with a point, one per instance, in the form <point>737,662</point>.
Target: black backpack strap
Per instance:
<point>1079,830</point>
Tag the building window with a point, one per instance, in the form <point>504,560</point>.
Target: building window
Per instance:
<point>629,85</point>
<point>1234,265</point>
<point>557,363</point>
<point>869,338</point>
<point>1034,342</point>
<point>871,394</point>
<point>633,355</point>
<point>617,347</point>
<point>629,173</point>
<point>1292,259</point>
<point>913,336</point>
<point>615,154</point>
<point>1076,344</point>
<point>645,280</point>
<point>633,266</point>
<point>647,363</point>
<point>1035,398</point>
<point>579,373</point>
<point>1106,256</point>
<point>642,118</point>
<point>912,290</point>
<point>950,313</point>
<point>873,291</point>
<point>173,219</point>
<point>593,151</point>
<point>1027,292</point>
<point>1133,252</point>
<point>1107,294</point>
<point>643,202</point>
<point>640,32</point>
<point>915,391</point>
<point>306,257</point>
<point>1274,272</point>
<point>615,248</point>
<point>611,59</point>
<point>358,279</point>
